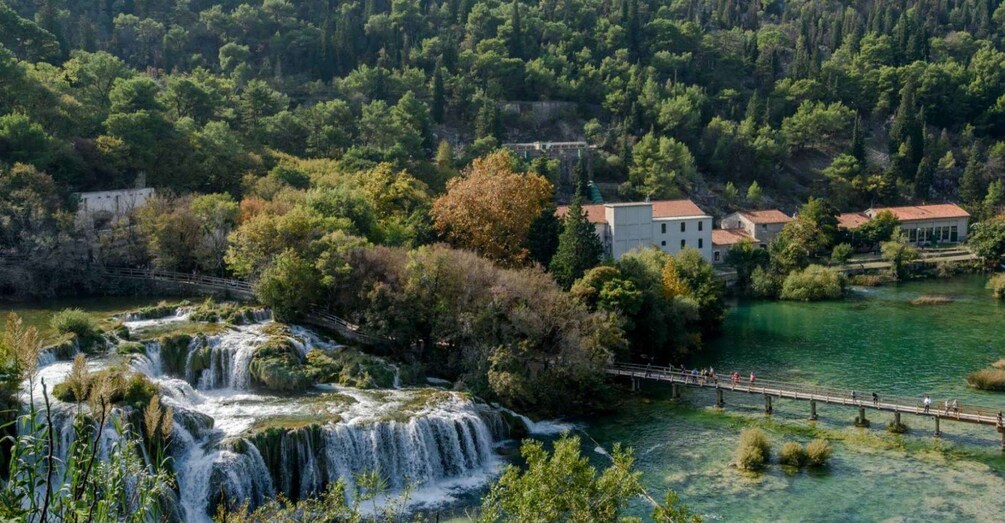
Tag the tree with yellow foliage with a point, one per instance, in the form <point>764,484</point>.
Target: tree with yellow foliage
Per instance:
<point>490,208</point>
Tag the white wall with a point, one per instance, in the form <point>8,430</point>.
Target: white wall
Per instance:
<point>117,203</point>
<point>670,241</point>
<point>630,227</point>
<point>960,223</point>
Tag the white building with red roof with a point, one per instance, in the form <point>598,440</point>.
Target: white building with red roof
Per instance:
<point>929,224</point>
<point>670,225</point>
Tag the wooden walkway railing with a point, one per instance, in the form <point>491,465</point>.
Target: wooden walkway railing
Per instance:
<point>965,413</point>
<point>198,282</point>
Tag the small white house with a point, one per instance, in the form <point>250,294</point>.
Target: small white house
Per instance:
<point>110,205</point>
<point>670,225</point>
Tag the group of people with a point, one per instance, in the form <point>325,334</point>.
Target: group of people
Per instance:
<point>949,405</point>
<point>708,375</point>
<point>875,397</point>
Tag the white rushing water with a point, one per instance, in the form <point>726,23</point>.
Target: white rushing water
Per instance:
<point>438,443</point>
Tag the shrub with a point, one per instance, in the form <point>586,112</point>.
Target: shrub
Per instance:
<point>812,284</point>
<point>870,280</point>
<point>988,379</point>
<point>841,253</point>
<point>763,284</point>
<point>792,454</point>
<point>818,453</point>
<point>74,321</point>
<point>997,285</point>
<point>754,450</point>
<point>349,368</point>
<point>1000,364</point>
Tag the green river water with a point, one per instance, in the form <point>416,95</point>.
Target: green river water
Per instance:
<point>875,341</point>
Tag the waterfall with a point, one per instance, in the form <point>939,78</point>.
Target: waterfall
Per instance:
<point>221,361</point>
<point>150,362</point>
<point>208,471</point>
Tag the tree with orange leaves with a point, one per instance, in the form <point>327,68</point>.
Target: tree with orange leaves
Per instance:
<point>490,208</point>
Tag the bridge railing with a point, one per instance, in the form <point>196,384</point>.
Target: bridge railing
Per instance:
<point>824,393</point>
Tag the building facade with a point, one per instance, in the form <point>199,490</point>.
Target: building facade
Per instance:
<point>921,224</point>
<point>760,226</point>
<point>110,206</point>
<point>670,225</point>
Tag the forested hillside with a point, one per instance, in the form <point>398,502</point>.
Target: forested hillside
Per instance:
<point>866,102</point>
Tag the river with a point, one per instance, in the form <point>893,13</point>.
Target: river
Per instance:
<point>877,340</point>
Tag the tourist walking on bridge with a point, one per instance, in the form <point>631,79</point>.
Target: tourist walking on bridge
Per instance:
<point>927,402</point>
<point>752,378</point>
<point>875,399</point>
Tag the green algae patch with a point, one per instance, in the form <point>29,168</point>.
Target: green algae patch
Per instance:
<point>159,310</point>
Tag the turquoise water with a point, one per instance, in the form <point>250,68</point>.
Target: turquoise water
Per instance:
<point>875,341</point>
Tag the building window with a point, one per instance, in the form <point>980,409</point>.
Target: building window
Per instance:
<point>764,226</point>
<point>715,255</point>
<point>954,234</point>
<point>663,243</point>
<point>699,225</point>
<point>663,228</point>
<point>945,234</point>
<point>683,243</point>
<point>700,243</point>
<point>682,224</point>
<point>912,235</point>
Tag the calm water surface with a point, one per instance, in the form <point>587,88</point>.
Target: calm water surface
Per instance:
<point>876,341</point>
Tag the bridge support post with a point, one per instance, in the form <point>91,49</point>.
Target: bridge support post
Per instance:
<point>674,391</point>
<point>937,431</point>
<point>860,421</point>
<point>635,384</point>
<point>896,418</point>
<point>718,398</point>
<point>1001,430</point>
<point>813,410</point>
<point>767,405</point>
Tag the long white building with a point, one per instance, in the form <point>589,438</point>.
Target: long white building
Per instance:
<point>669,225</point>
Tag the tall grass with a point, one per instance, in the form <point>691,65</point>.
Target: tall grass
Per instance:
<point>988,379</point>
<point>818,453</point>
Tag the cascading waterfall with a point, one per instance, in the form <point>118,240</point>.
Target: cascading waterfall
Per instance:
<point>230,443</point>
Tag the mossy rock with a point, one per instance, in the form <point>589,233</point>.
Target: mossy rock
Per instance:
<point>154,312</point>
<point>515,425</point>
<point>64,350</point>
<point>349,368</point>
<point>897,428</point>
<point>127,388</point>
<point>130,347</point>
<point>276,366</point>
<point>174,353</point>
<point>93,343</point>
<point>120,331</point>
<point>211,312</point>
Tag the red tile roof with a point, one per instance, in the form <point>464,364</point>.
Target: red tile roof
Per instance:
<point>594,213</point>
<point>661,209</point>
<point>766,216</point>
<point>851,220</point>
<point>924,212</point>
<point>728,236</point>
<point>676,209</point>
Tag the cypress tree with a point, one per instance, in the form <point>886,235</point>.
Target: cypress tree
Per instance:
<point>972,183</point>
<point>858,141</point>
<point>583,180</point>
<point>516,37</point>
<point>438,94</point>
<point>579,247</point>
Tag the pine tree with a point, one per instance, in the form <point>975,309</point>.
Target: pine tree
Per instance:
<point>754,192</point>
<point>923,179</point>
<point>579,247</point>
<point>972,183</point>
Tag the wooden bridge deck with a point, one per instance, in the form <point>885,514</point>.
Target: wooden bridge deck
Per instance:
<point>981,415</point>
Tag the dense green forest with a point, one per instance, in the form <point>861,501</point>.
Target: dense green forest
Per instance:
<point>867,102</point>
<point>321,150</point>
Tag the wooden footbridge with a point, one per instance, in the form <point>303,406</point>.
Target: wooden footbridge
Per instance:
<point>769,389</point>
